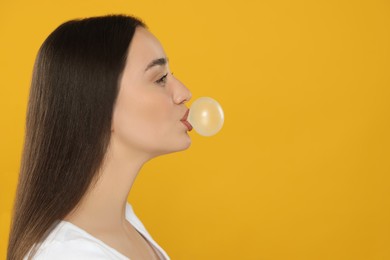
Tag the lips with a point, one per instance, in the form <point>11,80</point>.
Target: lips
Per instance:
<point>185,122</point>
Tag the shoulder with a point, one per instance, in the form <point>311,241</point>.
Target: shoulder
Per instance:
<point>77,249</point>
<point>67,241</point>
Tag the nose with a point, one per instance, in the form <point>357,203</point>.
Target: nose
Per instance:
<point>181,93</point>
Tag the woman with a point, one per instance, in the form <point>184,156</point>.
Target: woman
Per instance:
<point>103,102</point>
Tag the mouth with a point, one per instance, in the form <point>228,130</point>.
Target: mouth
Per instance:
<point>185,122</point>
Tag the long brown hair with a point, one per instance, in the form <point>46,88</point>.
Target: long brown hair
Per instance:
<point>68,123</point>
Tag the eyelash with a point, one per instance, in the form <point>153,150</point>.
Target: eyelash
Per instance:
<point>162,80</point>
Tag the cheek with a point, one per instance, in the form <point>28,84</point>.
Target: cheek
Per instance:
<point>152,115</point>
<point>144,121</point>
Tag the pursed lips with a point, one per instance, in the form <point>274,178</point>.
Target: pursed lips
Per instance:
<point>185,122</point>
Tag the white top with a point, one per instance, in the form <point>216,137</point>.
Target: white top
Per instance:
<point>68,241</point>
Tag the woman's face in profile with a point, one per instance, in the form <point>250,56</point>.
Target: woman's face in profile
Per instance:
<point>150,104</point>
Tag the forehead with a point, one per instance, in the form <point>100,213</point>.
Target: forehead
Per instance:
<point>144,48</point>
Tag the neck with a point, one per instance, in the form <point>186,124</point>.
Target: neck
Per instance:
<point>103,207</point>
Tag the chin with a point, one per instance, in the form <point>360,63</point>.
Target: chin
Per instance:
<point>187,143</point>
<point>183,146</point>
<point>178,147</point>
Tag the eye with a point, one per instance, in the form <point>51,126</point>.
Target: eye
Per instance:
<point>162,80</point>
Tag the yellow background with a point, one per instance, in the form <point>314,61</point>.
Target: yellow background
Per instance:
<point>300,169</point>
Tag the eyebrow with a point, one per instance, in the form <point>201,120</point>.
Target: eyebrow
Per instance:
<point>159,62</point>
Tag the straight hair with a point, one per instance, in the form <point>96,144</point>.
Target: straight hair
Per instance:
<point>73,91</point>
